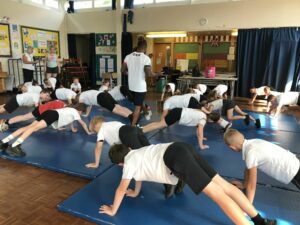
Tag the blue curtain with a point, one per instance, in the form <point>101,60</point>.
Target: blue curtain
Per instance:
<point>268,57</point>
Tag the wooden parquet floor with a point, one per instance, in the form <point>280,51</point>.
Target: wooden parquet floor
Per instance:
<point>29,195</point>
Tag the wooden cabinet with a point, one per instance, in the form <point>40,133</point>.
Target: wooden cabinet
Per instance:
<point>3,76</point>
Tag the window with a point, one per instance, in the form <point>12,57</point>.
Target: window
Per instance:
<point>83,5</point>
<point>37,1</point>
<point>143,2</point>
<point>52,3</point>
<point>102,3</point>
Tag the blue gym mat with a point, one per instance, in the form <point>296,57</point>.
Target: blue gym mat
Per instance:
<point>150,207</point>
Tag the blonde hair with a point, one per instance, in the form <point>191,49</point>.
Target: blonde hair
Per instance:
<point>230,135</point>
<point>20,87</point>
<point>96,120</point>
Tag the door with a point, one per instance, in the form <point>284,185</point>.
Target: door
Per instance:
<point>161,56</point>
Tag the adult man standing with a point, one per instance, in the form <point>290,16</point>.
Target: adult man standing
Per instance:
<point>138,66</point>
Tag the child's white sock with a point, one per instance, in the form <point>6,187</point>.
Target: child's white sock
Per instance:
<point>8,138</point>
<point>223,123</point>
<point>17,142</point>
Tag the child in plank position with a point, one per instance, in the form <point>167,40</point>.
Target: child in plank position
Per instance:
<point>257,92</point>
<point>271,159</point>
<point>25,88</point>
<point>220,89</point>
<point>288,98</point>
<point>76,86</point>
<point>228,106</point>
<point>105,85</point>
<point>104,99</point>
<point>169,88</point>
<point>186,117</point>
<point>36,113</point>
<point>166,163</point>
<point>25,99</point>
<point>64,94</point>
<point>50,83</point>
<point>115,133</point>
<point>57,118</point>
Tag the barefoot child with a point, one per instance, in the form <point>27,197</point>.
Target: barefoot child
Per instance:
<point>259,154</point>
<point>57,118</point>
<point>166,163</point>
<point>115,133</point>
<point>104,99</point>
<point>187,117</point>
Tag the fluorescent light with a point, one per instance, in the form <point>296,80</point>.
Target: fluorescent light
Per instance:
<point>234,33</point>
<point>165,34</point>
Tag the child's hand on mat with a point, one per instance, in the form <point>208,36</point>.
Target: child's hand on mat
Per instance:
<point>131,193</point>
<point>106,210</point>
<point>91,165</point>
<point>238,184</point>
<point>204,147</point>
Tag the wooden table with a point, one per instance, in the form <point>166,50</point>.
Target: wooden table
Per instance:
<point>185,81</point>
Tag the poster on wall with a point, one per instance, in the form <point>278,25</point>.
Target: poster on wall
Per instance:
<point>5,45</point>
<point>106,54</point>
<point>40,39</point>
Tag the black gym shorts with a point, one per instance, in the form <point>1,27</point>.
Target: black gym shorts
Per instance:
<point>105,100</point>
<point>194,104</point>
<point>186,164</point>
<point>133,137</point>
<point>138,98</point>
<point>11,105</point>
<point>36,112</point>
<point>227,105</point>
<point>52,70</point>
<point>173,116</point>
<point>49,117</point>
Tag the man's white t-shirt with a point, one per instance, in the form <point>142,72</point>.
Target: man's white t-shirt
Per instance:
<point>66,116</point>
<point>109,132</point>
<point>261,91</point>
<point>34,89</point>
<point>89,97</point>
<point>136,63</point>
<point>116,93</point>
<point>271,159</point>
<point>76,87</point>
<point>64,94</point>
<point>179,101</point>
<point>221,89</point>
<point>192,117</point>
<point>28,99</point>
<point>288,98</point>
<point>147,164</point>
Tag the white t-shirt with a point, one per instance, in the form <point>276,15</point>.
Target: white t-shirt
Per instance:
<point>217,104</point>
<point>103,88</point>
<point>116,93</point>
<point>172,87</point>
<point>275,93</point>
<point>89,97</point>
<point>221,89</point>
<point>288,98</point>
<point>29,59</point>
<point>64,94</point>
<point>147,164</point>
<point>66,116</point>
<point>109,132</point>
<point>261,91</point>
<point>271,159</point>
<point>34,89</point>
<point>197,91</point>
<point>192,117</point>
<point>179,101</point>
<point>76,87</point>
<point>28,99</point>
<point>53,82</point>
<point>136,63</point>
<point>28,84</point>
<point>202,88</point>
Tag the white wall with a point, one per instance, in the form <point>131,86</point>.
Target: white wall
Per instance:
<point>91,22</point>
<point>29,15</point>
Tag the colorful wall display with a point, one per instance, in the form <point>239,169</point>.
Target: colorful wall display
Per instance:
<point>40,39</point>
<point>5,43</point>
<point>106,54</point>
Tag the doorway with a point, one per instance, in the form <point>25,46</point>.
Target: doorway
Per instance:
<point>161,56</point>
